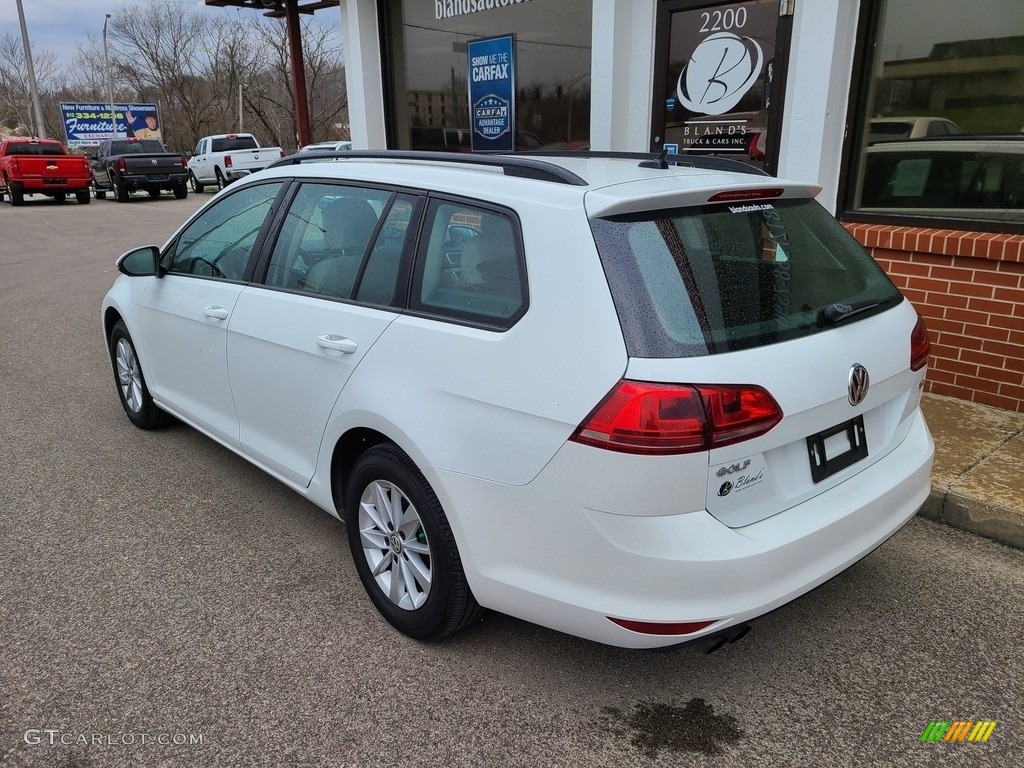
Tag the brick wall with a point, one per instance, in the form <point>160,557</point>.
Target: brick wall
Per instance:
<point>969,287</point>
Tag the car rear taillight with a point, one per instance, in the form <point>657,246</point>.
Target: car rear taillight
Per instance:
<point>121,165</point>
<point>920,347</point>
<point>753,148</point>
<point>184,161</point>
<point>227,161</point>
<point>282,153</point>
<point>660,419</point>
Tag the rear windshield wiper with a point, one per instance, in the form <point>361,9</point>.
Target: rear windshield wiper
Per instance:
<point>839,312</point>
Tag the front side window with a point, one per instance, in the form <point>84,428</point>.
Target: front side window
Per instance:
<point>690,282</point>
<point>219,242</point>
<point>941,114</point>
<point>470,266</point>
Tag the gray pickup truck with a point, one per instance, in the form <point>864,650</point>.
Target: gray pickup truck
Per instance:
<point>123,166</point>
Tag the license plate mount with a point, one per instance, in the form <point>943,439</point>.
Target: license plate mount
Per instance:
<point>837,448</point>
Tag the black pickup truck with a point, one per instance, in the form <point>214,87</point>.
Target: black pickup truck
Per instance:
<point>124,166</point>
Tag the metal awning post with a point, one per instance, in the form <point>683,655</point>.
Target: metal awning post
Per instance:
<point>290,10</point>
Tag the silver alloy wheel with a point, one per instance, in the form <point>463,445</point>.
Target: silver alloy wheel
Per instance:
<point>395,544</point>
<point>129,375</point>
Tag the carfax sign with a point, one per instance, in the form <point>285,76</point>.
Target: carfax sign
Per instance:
<point>492,93</point>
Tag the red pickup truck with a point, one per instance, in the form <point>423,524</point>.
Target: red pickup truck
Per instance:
<point>42,167</point>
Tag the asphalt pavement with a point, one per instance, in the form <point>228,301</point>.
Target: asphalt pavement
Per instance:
<point>164,603</point>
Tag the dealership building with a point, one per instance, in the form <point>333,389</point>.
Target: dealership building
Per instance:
<point>908,113</point>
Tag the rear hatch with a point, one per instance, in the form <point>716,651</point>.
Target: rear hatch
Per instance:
<point>772,299</point>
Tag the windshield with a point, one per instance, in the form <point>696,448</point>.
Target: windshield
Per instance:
<point>721,278</point>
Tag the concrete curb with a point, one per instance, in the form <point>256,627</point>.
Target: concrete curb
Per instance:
<point>979,453</point>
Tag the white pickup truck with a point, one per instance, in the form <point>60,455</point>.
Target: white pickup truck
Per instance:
<point>222,158</point>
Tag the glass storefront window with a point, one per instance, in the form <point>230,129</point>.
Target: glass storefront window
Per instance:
<point>941,128</point>
<point>427,46</point>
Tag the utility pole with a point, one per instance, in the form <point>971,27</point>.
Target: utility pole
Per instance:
<point>40,129</point>
<point>110,81</point>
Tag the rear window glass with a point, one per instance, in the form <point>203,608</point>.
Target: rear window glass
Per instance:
<point>136,147</point>
<point>690,282</point>
<point>234,143</point>
<point>27,148</point>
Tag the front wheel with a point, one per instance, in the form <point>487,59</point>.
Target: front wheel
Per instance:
<point>154,193</point>
<point>131,386</point>
<point>82,196</point>
<point>120,192</point>
<point>60,197</point>
<point>181,191</point>
<point>100,194</point>
<point>197,186</point>
<point>403,547</point>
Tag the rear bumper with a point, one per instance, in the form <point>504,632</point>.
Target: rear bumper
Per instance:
<point>45,186</point>
<point>233,174</point>
<point>157,181</point>
<point>534,552</point>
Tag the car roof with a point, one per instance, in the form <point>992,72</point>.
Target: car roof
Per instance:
<point>611,182</point>
<point>910,119</point>
<point>1012,144</point>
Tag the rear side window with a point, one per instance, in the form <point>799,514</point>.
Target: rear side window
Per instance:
<point>470,265</point>
<point>325,243</point>
<point>690,282</point>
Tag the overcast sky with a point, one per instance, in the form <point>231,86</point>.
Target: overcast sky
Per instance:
<point>61,25</point>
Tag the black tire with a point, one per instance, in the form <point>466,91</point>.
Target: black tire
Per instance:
<point>140,408</point>
<point>60,197</point>
<point>82,197</point>
<point>154,193</point>
<point>221,181</point>
<point>17,196</point>
<point>197,187</point>
<point>120,192</point>
<point>100,194</point>
<point>424,542</point>
<point>181,191</point>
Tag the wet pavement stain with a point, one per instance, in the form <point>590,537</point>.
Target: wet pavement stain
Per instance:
<point>693,728</point>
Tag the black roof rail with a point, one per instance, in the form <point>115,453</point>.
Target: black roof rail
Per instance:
<point>660,160</point>
<point>511,165</point>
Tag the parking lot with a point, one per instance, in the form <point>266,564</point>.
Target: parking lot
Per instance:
<point>163,603</point>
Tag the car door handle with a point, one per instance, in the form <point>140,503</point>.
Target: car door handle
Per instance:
<point>217,313</point>
<point>337,343</point>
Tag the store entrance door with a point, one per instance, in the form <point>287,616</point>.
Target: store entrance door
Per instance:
<point>720,72</point>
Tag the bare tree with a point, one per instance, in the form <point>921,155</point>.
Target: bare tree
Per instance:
<point>15,94</point>
<point>194,66</point>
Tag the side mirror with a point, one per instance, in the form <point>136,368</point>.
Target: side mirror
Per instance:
<point>141,262</point>
<point>188,153</point>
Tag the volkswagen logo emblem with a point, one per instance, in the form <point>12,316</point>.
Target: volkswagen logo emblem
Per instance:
<point>858,384</point>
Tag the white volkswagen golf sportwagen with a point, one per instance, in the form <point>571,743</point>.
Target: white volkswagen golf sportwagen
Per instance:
<point>636,401</point>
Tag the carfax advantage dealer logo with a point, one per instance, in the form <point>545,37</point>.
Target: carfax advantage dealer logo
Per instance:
<point>958,730</point>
